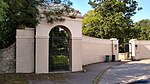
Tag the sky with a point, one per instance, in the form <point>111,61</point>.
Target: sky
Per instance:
<point>84,7</point>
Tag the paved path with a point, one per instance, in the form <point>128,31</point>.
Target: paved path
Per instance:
<point>128,72</point>
<point>88,77</point>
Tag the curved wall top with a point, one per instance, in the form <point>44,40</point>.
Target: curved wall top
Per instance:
<point>74,25</point>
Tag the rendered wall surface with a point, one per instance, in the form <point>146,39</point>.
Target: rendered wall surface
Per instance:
<point>132,49</point>
<point>73,26</point>
<point>143,49</point>
<point>140,49</point>
<point>32,48</point>
<point>25,51</point>
<point>76,54</point>
<point>115,47</point>
<point>94,49</point>
<point>42,54</point>
<point>123,56</point>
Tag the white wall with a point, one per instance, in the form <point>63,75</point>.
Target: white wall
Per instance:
<point>85,50</point>
<point>94,49</point>
<point>132,49</point>
<point>115,47</point>
<point>142,50</point>
<point>25,50</point>
<point>43,29</point>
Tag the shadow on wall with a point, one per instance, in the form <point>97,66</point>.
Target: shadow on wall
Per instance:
<point>144,51</point>
<point>8,59</point>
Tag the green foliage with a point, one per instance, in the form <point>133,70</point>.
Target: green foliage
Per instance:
<point>59,49</point>
<point>64,2</point>
<point>144,29</point>
<point>57,9</point>
<point>3,7</point>
<point>59,41</point>
<point>20,14</point>
<point>59,60</point>
<point>111,19</point>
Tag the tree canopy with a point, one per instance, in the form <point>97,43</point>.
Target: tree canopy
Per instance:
<point>3,7</point>
<point>111,19</point>
<point>20,14</point>
<point>144,29</point>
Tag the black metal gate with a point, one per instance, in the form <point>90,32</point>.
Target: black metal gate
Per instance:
<point>59,54</point>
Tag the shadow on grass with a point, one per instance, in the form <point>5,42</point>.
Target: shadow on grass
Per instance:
<point>25,78</point>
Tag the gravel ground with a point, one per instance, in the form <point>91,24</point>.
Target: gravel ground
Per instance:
<point>128,72</point>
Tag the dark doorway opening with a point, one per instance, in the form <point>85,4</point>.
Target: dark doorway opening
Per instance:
<point>59,49</point>
<point>127,49</point>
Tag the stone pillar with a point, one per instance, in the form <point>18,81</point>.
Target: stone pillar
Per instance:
<point>76,54</point>
<point>25,50</point>
<point>115,48</point>
<point>133,48</point>
<point>42,54</point>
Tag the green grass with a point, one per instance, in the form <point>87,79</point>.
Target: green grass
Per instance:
<point>24,78</point>
<point>59,62</point>
<point>61,59</point>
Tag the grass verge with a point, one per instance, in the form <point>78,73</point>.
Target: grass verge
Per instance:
<point>24,78</point>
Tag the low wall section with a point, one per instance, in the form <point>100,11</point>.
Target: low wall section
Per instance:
<point>8,60</point>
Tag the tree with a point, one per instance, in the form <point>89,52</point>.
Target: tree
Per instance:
<point>111,19</point>
<point>59,41</point>
<point>21,14</point>
<point>3,7</point>
<point>144,29</point>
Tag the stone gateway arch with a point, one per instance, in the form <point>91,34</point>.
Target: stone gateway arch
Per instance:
<point>33,46</point>
<point>36,50</point>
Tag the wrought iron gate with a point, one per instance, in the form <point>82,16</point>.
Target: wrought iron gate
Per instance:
<point>59,54</point>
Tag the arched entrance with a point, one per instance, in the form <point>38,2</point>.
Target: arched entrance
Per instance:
<point>59,49</point>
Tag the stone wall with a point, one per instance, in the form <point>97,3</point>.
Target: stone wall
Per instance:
<point>7,60</point>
